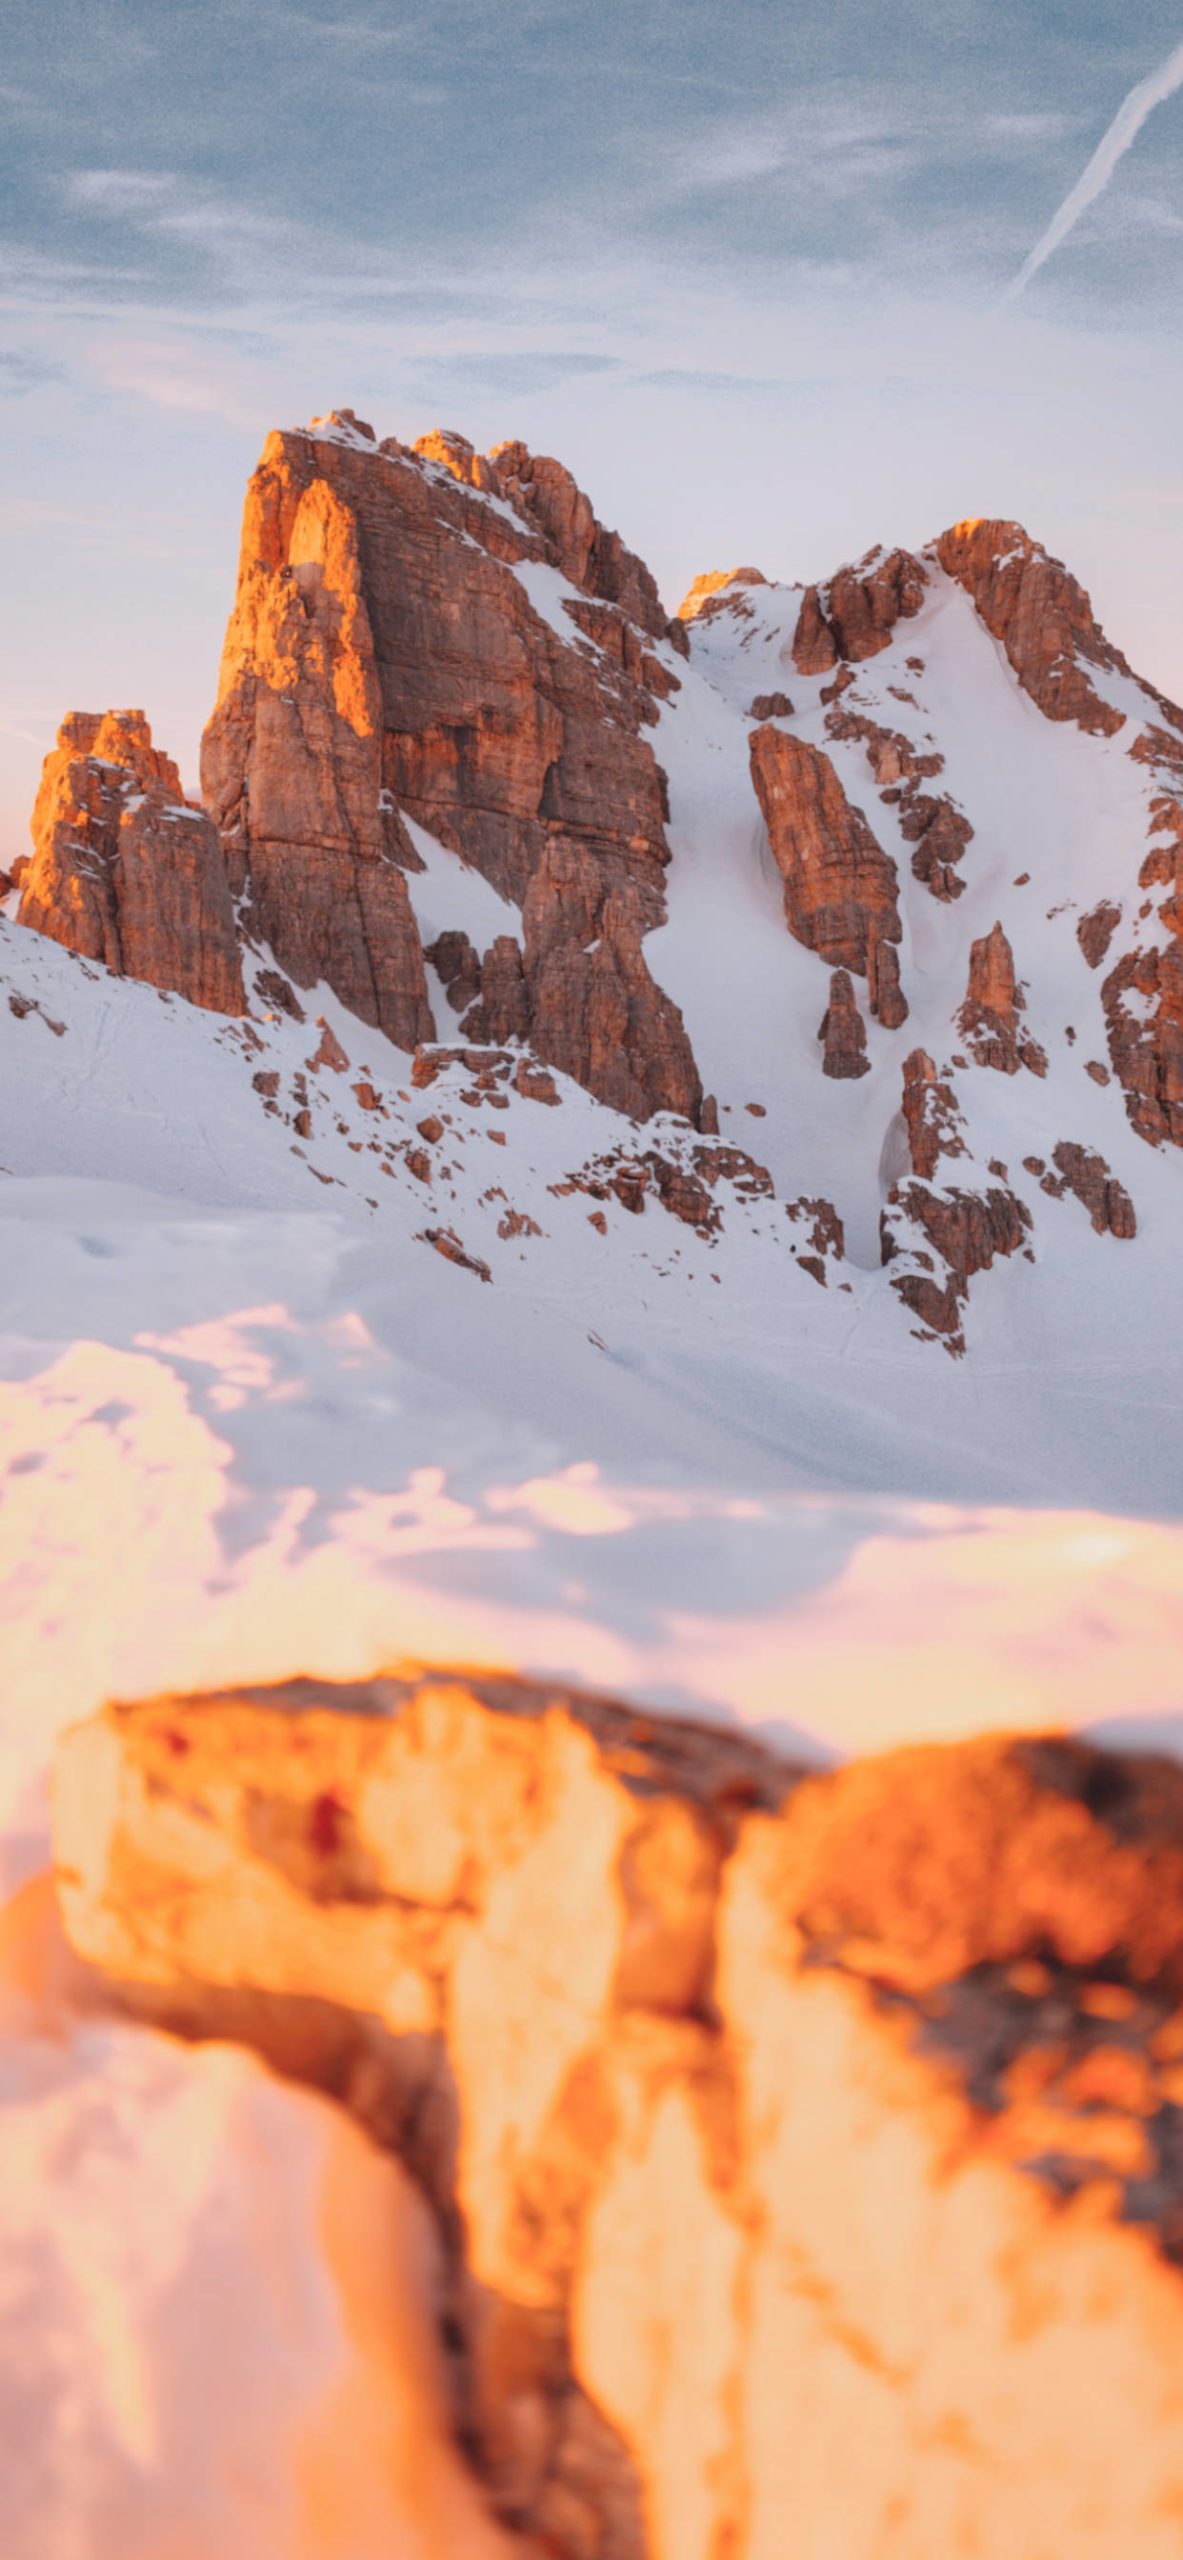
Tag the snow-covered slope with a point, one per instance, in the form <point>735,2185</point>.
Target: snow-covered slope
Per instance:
<point>316,1353</point>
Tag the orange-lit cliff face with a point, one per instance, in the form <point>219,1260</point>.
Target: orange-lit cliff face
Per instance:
<point>804,2147</point>
<point>384,661</point>
<point>124,870</point>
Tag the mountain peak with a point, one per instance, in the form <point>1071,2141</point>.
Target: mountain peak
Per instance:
<point>711,592</point>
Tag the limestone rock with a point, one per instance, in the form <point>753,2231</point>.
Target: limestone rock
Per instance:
<point>930,821</point>
<point>824,1237</point>
<point>124,870</point>
<point>932,1119</point>
<point>1095,930</point>
<point>989,1019</point>
<point>591,557</point>
<point>719,591</point>
<point>382,658</point>
<point>936,1232</point>
<point>763,2112</point>
<point>841,888</point>
<point>887,999</point>
<point>1042,617</point>
<point>843,1031</point>
<point>1143,993</point>
<point>1085,1173</point>
<point>855,616</point>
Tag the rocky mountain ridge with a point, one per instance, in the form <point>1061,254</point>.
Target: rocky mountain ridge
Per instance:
<point>463,774</point>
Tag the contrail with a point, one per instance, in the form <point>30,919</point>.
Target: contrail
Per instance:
<point>1131,116</point>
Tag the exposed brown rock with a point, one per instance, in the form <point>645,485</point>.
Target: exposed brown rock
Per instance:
<point>824,1237</point>
<point>989,1019</point>
<point>940,833</point>
<point>840,886</point>
<point>124,870</point>
<point>1143,999</point>
<point>1143,993</point>
<point>843,1031</point>
<point>935,1233</point>
<point>454,453</point>
<point>677,2040</point>
<point>445,1239</point>
<point>855,617</point>
<point>770,706</point>
<point>586,553</point>
<point>965,1230</point>
<point>719,591</point>
<point>931,1116</point>
<point>750,1180</point>
<point>1043,619</point>
<point>534,1083</point>
<point>595,1011</point>
<point>503,1009</point>
<point>887,999</point>
<point>681,1184</point>
<point>683,1193</point>
<point>458,968</point>
<point>329,1052</point>
<point>276,992</point>
<point>933,824</point>
<point>815,649</point>
<point>383,657</point>
<point>489,1066</point>
<point>1095,931</point>
<point>1085,1173</point>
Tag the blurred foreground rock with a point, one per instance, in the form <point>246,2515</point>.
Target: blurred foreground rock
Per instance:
<point>807,2148</point>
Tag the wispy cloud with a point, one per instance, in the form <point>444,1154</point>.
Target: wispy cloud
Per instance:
<point>1114,143</point>
<point>22,372</point>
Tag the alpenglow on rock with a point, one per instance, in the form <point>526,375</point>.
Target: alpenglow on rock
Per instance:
<point>803,2146</point>
<point>393,654</point>
<point>125,870</point>
<point>466,777</point>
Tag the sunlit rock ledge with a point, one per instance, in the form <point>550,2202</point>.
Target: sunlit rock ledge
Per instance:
<point>807,2148</point>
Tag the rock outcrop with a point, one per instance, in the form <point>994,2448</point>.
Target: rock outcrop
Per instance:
<point>1143,992</point>
<point>124,870</point>
<point>843,1031</point>
<point>929,821</point>
<point>841,889</point>
<point>989,1020</point>
<point>1042,617</point>
<point>933,1122</point>
<point>856,615</point>
<point>1095,930</point>
<point>578,545</point>
<point>763,2112</point>
<point>385,659</point>
<point>822,1236</point>
<point>1086,1175</point>
<point>715,592</point>
<point>935,1232</point>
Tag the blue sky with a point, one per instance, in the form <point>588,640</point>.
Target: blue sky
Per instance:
<point>738,261</point>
